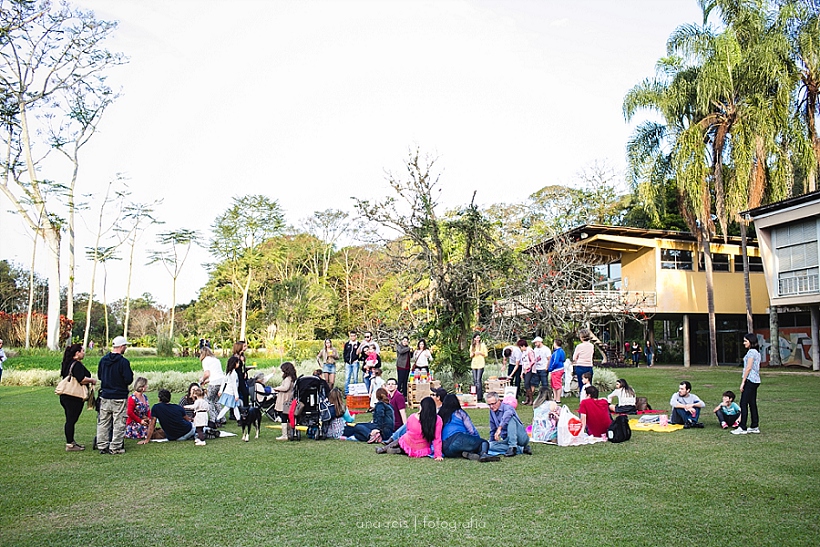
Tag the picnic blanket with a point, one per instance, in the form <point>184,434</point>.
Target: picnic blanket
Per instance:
<point>636,425</point>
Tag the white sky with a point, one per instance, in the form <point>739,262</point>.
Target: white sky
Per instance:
<point>309,102</point>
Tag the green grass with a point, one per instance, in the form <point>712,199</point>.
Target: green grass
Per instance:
<point>699,487</point>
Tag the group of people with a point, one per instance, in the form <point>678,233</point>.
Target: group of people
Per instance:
<point>440,429</point>
<point>365,356</point>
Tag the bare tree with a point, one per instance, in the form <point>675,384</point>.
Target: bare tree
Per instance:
<point>176,246</point>
<point>45,52</point>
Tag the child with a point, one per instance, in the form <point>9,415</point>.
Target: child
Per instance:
<point>200,409</point>
<point>229,392</point>
<point>728,412</point>
<point>371,363</point>
<point>375,383</point>
<point>586,381</point>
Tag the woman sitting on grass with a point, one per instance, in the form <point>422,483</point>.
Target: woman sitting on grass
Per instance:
<point>626,398</point>
<point>382,425</point>
<point>545,417</point>
<point>423,428</point>
<point>139,411</point>
<point>595,418</point>
<point>460,439</point>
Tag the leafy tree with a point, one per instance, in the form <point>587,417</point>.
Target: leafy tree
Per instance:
<point>47,52</point>
<point>237,235</point>
<point>458,252</point>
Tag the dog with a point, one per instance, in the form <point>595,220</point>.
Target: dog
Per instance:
<point>248,417</point>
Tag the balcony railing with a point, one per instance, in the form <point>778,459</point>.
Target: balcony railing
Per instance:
<point>595,301</point>
<point>803,284</point>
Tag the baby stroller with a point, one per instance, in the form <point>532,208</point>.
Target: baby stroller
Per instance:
<point>265,402</point>
<point>310,408</point>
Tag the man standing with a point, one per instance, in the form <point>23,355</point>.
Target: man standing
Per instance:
<point>176,424</point>
<point>686,406</point>
<point>542,361</point>
<point>403,354</point>
<point>508,436</point>
<point>350,353</point>
<point>556,369</point>
<point>115,374</point>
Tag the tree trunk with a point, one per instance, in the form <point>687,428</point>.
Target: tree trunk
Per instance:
<point>52,238</point>
<point>774,338</point>
<point>128,287</point>
<point>30,308</point>
<point>746,284</point>
<point>710,300</point>
<point>173,308</point>
<point>245,290</point>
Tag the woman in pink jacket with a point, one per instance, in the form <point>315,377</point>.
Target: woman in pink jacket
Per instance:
<point>423,428</point>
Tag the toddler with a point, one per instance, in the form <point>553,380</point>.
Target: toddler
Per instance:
<point>728,411</point>
<point>200,410</point>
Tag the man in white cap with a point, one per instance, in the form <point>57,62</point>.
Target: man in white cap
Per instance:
<point>115,374</point>
<point>542,361</point>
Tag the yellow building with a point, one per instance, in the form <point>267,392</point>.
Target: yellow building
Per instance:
<point>662,271</point>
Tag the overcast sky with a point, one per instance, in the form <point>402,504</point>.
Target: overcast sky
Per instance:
<point>310,102</point>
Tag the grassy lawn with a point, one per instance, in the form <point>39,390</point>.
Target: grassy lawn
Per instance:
<point>698,487</point>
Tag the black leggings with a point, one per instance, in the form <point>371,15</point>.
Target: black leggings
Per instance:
<point>748,404</point>
<point>73,407</point>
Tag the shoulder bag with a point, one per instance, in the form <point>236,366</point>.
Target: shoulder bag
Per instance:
<point>70,386</point>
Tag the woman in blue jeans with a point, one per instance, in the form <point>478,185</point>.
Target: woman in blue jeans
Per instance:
<point>459,435</point>
<point>383,421</point>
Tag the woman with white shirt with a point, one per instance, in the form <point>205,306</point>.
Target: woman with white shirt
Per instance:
<point>422,358</point>
<point>626,398</point>
<point>213,378</point>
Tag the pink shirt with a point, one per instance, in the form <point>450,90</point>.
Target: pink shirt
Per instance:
<point>414,443</point>
<point>583,354</point>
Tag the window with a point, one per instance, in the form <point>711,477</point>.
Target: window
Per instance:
<point>675,259</point>
<point>720,263</point>
<point>608,276</point>
<point>755,263</point>
<point>796,254</point>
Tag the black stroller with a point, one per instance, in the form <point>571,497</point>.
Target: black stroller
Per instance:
<point>265,402</point>
<point>310,408</point>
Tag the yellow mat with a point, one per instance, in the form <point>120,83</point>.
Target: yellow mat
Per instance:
<point>635,425</point>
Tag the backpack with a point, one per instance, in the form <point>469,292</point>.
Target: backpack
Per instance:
<point>619,430</point>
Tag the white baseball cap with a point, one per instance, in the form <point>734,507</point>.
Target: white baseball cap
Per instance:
<point>537,339</point>
<point>119,341</point>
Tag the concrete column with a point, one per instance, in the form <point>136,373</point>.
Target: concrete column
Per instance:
<point>815,351</point>
<point>687,357</point>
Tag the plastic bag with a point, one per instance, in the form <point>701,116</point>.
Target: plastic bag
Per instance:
<point>569,429</point>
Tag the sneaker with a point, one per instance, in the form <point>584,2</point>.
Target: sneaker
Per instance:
<point>753,430</point>
<point>528,450</point>
<point>394,450</point>
<point>511,452</point>
<point>116,451</point>
<point>687,425</point>
<point>73,447</point>
<point>487,458</point>
<point>104,451</point>
<point>737,423</point>
<point>78,445</point>
<point>381,450</point>
<point>739,431</point>
<point>199,443</point>
<point>470,456</point>
<point>724,425</point>
<point>699,425</point>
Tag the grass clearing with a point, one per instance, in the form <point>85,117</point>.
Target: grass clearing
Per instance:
<point>699,487</point>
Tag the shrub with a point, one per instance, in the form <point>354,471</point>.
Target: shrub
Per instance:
<point>604,379</point>
<point>165,345</point>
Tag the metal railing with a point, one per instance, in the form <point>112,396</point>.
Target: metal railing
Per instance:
<point>803,284</point>
<point>595,301</point>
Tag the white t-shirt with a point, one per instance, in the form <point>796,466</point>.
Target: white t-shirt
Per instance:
<point>542,357</point>
<point>214,367</point>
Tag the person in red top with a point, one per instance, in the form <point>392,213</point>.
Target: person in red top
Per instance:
<point>595,418</point>
<point>398,402</point>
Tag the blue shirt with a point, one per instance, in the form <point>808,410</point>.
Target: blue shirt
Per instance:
<point>754,374</point>
<point>501,418</point>
<point>557,360</point>
<point>460,422</point>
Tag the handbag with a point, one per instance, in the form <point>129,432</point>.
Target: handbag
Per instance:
<point>70,386</point>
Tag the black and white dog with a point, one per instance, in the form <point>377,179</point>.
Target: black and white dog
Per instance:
<point>248,417</point>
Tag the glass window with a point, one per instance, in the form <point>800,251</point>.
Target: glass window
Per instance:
<point>797,258</point>
<point>755,263</point>
<point>720,263</point>
<point>675,259</point>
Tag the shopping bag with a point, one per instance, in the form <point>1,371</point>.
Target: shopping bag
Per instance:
<point>569,429</point>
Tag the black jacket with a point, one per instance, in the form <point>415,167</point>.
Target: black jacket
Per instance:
<point>115,374</point>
